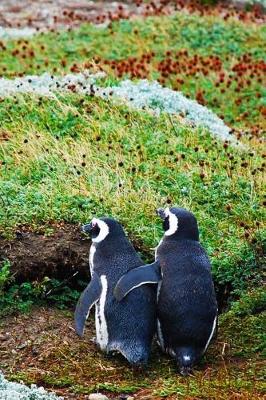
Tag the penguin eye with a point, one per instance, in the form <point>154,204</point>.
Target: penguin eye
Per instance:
<point>94,224</point>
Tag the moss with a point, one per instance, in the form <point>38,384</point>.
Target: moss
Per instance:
<point>244,325</point>
<point>250,303</point>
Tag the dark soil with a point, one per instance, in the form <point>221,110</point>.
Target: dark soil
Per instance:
<point>64,255</point>
<point>34,255</point>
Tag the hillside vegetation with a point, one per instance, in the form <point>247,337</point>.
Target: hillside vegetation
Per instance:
<point>68,158</point>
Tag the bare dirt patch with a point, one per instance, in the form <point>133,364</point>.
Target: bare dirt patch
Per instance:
<point>57,251</point>
<point>35,255</point>
<point>29,341</point>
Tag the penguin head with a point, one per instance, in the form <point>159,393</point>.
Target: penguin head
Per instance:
<point>179,223</point>
<point>102,228</point>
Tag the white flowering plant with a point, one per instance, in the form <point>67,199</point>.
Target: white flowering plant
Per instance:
<point>19,391</point>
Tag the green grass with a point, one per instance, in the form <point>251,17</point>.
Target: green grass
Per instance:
<point>70,159</point>
<point>249,313</point>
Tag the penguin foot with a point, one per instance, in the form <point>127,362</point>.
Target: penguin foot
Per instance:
<point>108,356</point>
<point>138,369</point>
<point>185,371</point>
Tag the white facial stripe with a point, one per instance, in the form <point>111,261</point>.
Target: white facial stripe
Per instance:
<point>173,222</point>
<point>104,230</point>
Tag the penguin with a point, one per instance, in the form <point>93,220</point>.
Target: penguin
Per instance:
<point>127,326</point>
<point>187,306</point>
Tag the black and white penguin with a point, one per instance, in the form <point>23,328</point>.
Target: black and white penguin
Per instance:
<point>187,307</point>
<point>128,326</point>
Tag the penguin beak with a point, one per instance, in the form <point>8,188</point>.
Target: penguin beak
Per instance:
<point>87,228</point>
<point>160,212</point>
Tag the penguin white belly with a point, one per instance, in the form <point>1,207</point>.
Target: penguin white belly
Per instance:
<point>100,320</point>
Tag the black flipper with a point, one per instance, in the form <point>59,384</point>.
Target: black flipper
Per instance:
<point>87,299</point>
<point>149,273</point>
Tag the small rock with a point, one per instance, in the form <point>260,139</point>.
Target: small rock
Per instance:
<point>22,346</point>
<point>97,396</point>
<point>130,398</point>
<point>34,351</point>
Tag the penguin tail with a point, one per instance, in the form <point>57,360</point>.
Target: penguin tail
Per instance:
<point>185,371</point>
<point>136,355</point>
<point>185,358</point>
<point>137,360</point>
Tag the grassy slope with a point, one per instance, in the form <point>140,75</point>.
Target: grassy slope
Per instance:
<point>69,159</point>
